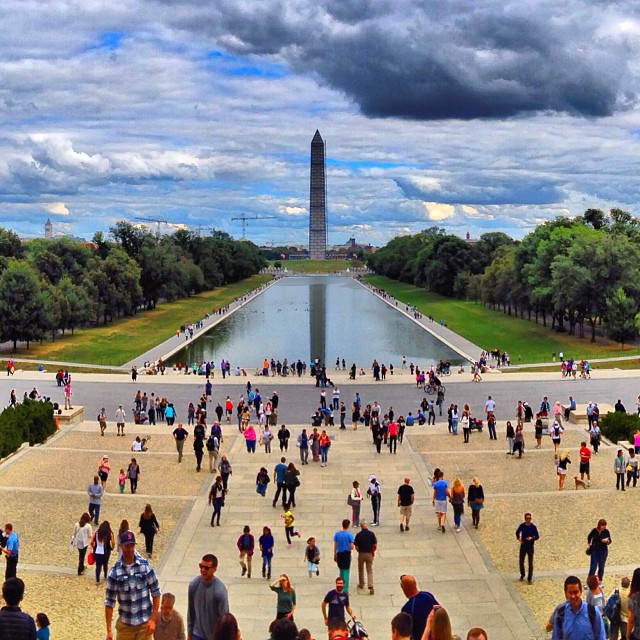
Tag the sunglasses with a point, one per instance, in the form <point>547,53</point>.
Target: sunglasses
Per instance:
<point>205,567</point>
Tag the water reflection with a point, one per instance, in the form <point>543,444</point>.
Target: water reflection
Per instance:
<point>324,317</point>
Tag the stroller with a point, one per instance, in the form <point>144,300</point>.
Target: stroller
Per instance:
<point>475,424</point>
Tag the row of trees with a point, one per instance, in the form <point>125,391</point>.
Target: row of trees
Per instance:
<point>573,273</point>
<point>51,286</point>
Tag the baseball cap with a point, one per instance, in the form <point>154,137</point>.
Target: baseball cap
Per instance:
<point>105,457</point>
<point>371,477</point>
<point>127,538</point>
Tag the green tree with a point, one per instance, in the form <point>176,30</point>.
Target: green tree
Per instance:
<point>21,302</point>
<point>620,317</point>
<point>595,218</point>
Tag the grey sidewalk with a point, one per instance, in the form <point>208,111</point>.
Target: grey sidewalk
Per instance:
<point>452,566</point>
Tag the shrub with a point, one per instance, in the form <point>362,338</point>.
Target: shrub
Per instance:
<point>31,422</point>
<point>618,426</point>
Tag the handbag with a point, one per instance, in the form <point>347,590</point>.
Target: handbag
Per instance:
<point>588,550</point>
<point>90,558</point>
<point>350,501</point>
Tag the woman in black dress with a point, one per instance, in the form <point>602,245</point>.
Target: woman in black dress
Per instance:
<point>148,528</point>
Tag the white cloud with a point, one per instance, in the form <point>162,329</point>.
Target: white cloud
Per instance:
<point>58,208</point>
<point>437,212</point>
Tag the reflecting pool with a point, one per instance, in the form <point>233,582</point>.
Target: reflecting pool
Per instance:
<point>324,317</point>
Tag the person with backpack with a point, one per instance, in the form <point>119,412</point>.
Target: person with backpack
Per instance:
<point>633,607</point>
<point>213,448</point>
<point>617,610</point>
<point>575,619</point>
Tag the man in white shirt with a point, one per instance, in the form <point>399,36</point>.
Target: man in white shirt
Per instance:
<point>489,406</point>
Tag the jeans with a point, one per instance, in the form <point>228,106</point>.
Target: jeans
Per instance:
<point>134,484</point>
<point>102,564</point>
<point>81,555</point>
<point>281,487</point>
<point>526,550</point>
<point>289,532</point>
<point>632,475</point>
<point>432,416</point>
<point>510,443</point>
<point>217,507</point>
<point>266,566</point>
<point>292,495</point>
<point>312,568</point>
<point>246,566</point>
<point>323,454</point>
<point>457,516</point>
<point>492,430</point>
<point>251,446</point>
<point>225,480</point>
<point>375,505</point>
<point>198,453</point>
<point>454,426</point>
<point>148,542</point>
<point>261,489</point>
<point>393,444</point>
<point>598,560</point>
<point>304,455</point>
<point>179,448</point>
<point>12,567</point>
<point>467,433</point>
<point>620,480</point>
<point>94,512</point>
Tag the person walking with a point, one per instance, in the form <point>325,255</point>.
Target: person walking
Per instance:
<point>475,500</point>
<point>510,432</point>
<point>527,534</point>
<point>518,441</point>
<point>149,527</point>
<point>338,602</point>
<point>466,431</point>
<point>585,462</point>
<point>595,435</point>
<point>180,435</point>
<point>80,539</point>
<point>199,435</point>
<point>419,605</point>
<point>102,543</point>
<point>286,597</point>
<point>133,584</point>
<point>405,503</point>
<point>213,448</point>
<point>266,542</point>
<point>250,439</point>
<point>104,468</point>
<point>265,438</point>
<point>283,438</point>
<point>169,622</point>
<point>440,496</point>
<point>573,619</point>
<point>355,500</point>
<point>289,530</point>
<point>365,544</point>
<point>619,467</point>
<point>245,544</point>
<point>563,462</point>
<point>102,420</point>
<point>95,491</point>
<point>207,600</point>
<point>291,483</point>
<point>598,542</point>
<point>325,443</point>
<point>375,494</point>
<point>632,467</point>
<point>343,544</point>
<point>121,416</point>
<point>133,473</point>
<point>225,470</point>
<point>393,436</point>
<point>303,443</point>
<point>262,480</point>
<point>312,556</point>
<point>278,475</point>
<point>457,502</point>
<point>216,499</point>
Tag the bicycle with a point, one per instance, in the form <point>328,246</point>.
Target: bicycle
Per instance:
<point>433,388</point>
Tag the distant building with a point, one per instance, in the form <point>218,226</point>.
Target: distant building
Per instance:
<point>48,229</point>
<point>317,201</point>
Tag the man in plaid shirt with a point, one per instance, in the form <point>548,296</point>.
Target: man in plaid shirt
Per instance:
<point>133,583</point>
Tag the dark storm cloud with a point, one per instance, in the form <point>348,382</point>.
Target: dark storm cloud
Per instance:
<point>438,60</point>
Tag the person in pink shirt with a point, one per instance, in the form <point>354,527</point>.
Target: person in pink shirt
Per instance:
<point>250,438</point>
<point>393,436</point>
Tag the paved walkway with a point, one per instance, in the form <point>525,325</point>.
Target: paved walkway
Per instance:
<point>467,349</point>
<point>452,566</point>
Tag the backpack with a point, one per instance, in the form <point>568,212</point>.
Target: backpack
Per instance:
<point>212,443</point>
<point>612,607</point>
<point>591,610</point>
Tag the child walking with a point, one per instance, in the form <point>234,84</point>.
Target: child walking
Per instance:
<point>312,556</point>
<point>289,519</point>
<point>122,479</point>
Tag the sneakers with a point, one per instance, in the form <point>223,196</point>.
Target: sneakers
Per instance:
<point>244,570</point>
<point>457,529</point>
<point>289,546</point>
<point>401,527</point>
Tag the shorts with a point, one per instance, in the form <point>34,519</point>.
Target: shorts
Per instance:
<point>555,440</point>
<point>440,506</point>
<point>405,511</point>
<point>103,475</point>
<point>562,472</point>
<point>584,467</point>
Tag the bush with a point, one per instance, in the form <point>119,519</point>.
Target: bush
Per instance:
<point>31,422</point>
<point>618,426</point>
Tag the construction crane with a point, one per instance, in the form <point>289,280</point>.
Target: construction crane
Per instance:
<point>244,219</point>
<point>198,229</point>
<point>157,221</point>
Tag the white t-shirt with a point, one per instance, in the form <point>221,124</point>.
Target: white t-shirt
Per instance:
<point>489,405</point>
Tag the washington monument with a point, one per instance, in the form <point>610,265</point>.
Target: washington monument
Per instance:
<point>317,201</point>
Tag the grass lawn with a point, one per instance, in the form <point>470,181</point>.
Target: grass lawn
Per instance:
<point>124,339</point>
<point>316,266</point>
<point>524,340</point>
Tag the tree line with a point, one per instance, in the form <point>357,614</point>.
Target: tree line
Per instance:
<point>51,286</point>
<point>573,273</point>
